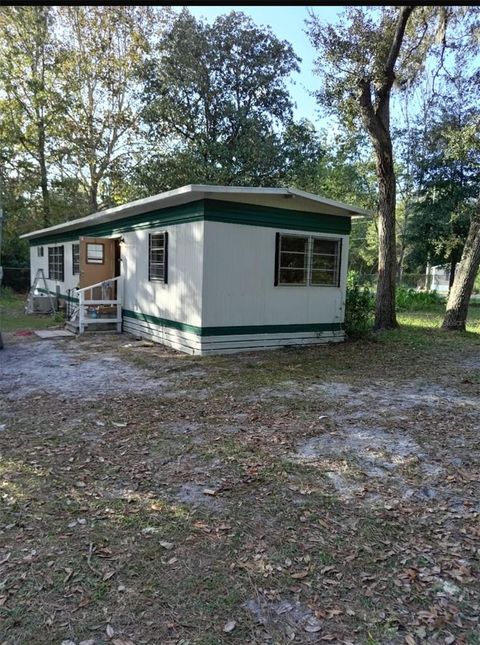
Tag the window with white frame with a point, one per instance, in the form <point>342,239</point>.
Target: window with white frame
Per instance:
<point>40,251</point>
<point>56,263</point>
<point>75,259</point>
<point>305,260</point>
<point>158,257</point>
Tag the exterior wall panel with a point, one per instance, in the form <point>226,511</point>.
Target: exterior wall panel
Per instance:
<point>178,300</point>
<point>239,272</point>
<point>70,281</point>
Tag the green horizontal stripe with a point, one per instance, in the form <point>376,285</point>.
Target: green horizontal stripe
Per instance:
<point>210,210</point>
<point>192,212</point>
<point>233,330</point>
<point>266,216</point>
<point>62,296</point>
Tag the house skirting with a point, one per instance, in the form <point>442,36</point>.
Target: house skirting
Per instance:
<point>223,340</point>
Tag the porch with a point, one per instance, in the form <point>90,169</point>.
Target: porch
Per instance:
<point>95,308</point>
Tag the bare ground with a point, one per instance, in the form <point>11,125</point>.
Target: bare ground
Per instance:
<point>310,495</point>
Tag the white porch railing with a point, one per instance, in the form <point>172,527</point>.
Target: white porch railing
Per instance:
<point>99,303</point>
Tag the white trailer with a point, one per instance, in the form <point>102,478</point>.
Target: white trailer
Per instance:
<point>209,269</point>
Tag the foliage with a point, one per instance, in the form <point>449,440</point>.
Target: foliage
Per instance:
<point>360,59</point>
<point>359,308</point>
<point>101,49</point>
<point>446,168</point>
<point>31,101</point>
<point>216,103</point>
<point>412,300</point>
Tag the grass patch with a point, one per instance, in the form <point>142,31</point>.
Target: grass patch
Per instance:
<point>13,317</point>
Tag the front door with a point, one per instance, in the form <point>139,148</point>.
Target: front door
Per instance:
<point>97,260</point>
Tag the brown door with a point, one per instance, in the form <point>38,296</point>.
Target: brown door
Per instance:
<point>97,260</point>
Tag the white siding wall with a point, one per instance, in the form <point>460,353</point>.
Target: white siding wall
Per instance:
<point>239,269</point>
<point>70,281</point>
<point>180,299</point>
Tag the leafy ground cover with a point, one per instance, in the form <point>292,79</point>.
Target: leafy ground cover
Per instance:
<point>315,495</point>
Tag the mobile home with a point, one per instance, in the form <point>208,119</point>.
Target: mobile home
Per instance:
<point>207,269</point>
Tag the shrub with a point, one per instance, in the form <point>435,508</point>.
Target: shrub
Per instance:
<point>359,308</point>
<point>6,293</point>
<point>411,300</point>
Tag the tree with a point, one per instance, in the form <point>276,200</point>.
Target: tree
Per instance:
<point>102,46</point>
<point>360,64</point>
<point>32,102</point>
<point>216,102</point>
<point>446,176</point>
<point>465,143</point>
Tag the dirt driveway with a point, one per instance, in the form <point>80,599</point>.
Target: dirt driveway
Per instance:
<point>312,495</point>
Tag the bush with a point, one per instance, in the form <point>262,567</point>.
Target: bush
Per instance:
<point>359,308</point>
<point>6,293</point>
<point>411,300</point>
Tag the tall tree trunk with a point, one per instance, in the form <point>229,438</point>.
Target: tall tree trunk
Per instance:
<point>43,175</point>
<point>376,119</point>
<point>385,317</point>
<point>467,269</point>
<point>93,197</point>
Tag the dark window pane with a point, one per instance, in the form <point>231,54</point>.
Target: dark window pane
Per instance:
<point>324,277</point>
<point>294,243</point>
<point>156,255</point>
<point>293,260</point>
<point>157,241</point>
<point>325,246</point>
<point>292,276</point>
<point>323,262</point>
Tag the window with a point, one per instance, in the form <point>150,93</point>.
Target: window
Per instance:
<point>75,259</point>
<point>293,264</point>
<point>95,253</point>
<point>40,251</point>
<point>158,257</point>
<point>55,263</point>
<point>303,260</point>
<point>325,262</point>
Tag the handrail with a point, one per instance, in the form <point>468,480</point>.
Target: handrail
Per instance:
<point>83,304</point>
<point>99,284</point>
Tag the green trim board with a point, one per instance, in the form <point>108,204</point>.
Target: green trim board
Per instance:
<point>213,211</point>
<point>238,330</point>
<point>267,216</point>
<point>193,212</point>
<point>61,296</point>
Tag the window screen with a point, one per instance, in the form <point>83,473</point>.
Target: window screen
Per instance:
<point>158,257</point>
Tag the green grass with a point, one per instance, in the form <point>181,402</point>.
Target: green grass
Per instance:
<point>13,317</point>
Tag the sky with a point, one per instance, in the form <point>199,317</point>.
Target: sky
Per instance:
<point>288,23</point>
